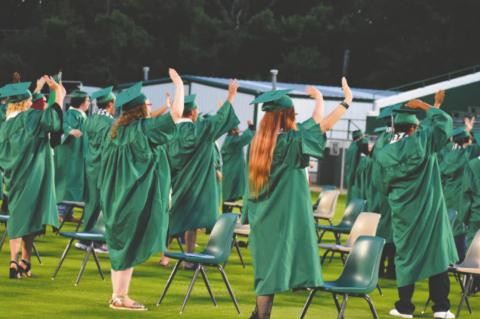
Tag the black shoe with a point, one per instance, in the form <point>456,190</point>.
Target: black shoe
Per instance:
<point>26,271</point>
<point>15,272</point>
<point>254,314</point>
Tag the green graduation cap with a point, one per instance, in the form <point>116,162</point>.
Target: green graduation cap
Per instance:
<point>1,92</point>
<point>357,134</point>
<point>405,116</point>
<point>386,112</point>
<point>37,96</point>
<point>78,94</point>
<point>103,96</point>
<point>460,133</point>
<point>274,101</point>
<point>189,102</point>
<point>380,129</point>
<point>131,97</point>
<point>17,92</point>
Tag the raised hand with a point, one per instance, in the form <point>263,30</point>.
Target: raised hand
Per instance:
<point>232,90</point>
<point>314,93</point>
<point>40,83</point>
<point>439,97</point>
<point>417,104</point>
<point>174,76</point>
<point>347,93</point>
<point>469,123</point>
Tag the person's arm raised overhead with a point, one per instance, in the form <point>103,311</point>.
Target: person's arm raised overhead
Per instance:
<point>332,118</point>
<point>178,100</point>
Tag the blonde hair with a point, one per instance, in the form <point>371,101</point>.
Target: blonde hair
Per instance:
<point>127,117</point>
<point>263,146</point>
<point>18,106</point>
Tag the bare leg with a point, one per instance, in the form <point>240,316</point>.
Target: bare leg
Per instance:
<point>121,284</point>
<point>190,241</point>
<point>27,246</point>
<point>15,248</point>
<point>264,306</point>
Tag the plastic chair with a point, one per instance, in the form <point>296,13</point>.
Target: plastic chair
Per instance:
<point>358,278</point>
<point>215,254</point>
<point>365,225</point>
<point>327,206</point>
<point>353,209</point>
<point>80,205</point>
<point>4,220</point>
<point>470,268</point>
<point>240,231</point>
<point>323,188</point>
<point>97,235</point>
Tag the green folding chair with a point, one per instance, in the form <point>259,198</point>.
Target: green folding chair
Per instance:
<point>215,254</point>
<point>358,278</point>
<point>353,209</point>
<point>4,220</point>
<point>97,235</point>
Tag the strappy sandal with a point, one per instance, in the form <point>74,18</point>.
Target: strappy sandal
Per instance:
<point>15,272</point>
<point>26,271</point>
<point>118,303</point>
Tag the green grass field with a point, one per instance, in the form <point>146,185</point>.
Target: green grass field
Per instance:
<point>40,297</point>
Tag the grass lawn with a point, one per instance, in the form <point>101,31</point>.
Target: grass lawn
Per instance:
<point>40,297</point>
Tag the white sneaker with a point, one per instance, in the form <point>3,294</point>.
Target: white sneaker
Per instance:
<point>395,313</point>
<point>80,246</point>
<point>443,315</point>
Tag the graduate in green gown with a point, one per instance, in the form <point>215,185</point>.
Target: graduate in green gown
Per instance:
<point>359,187</point>
<point>234,178</point>
<point>454,160</point>
<point>421,231</point>
<point>470,209</point>
<point>191,156</point>
<point>278,206</point>
<point>130,186</point>
<point>26,159</point>
<point>352,157</point>
<point>70,154</point>
<point>95,129</point>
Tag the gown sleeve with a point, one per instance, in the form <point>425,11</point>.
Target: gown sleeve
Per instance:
<point>216,125</point>
<point>438,130</point>
<point>159,130</point>
<point>51,119</point>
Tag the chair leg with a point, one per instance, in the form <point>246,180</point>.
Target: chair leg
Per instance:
<point>35,251</point>
<point>180,244</point>
<point>331,257</point>
<point>342,257</point>
<point>190,288</point>
<point>84,264</point>
<point>337,304</point>
<point>464,294</point>
<point>462,287</point>
<point>64,255</point>
<point>2,240</point>
<point>307,303</point>
<point>343,307</point>
<point>99,268</point>
<point>207,283</point>
<point>337,238</point>
<point>169,281</point>
<point>426,305</point>
<point>229,288</point>
<point>80,221</point>
<point>379,289</point>
<point>237,248</point>
<point>322,260</point>
<point>372,307</point>
<point>320,236</point>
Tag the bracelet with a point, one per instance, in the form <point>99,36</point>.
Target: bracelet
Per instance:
<point>345,105</point>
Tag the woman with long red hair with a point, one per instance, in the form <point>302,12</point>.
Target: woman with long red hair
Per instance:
<point>278,207</point>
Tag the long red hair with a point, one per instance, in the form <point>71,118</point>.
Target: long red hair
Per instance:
<point>263,146</point>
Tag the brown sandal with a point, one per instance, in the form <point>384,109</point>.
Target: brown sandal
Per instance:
<point>118,303</point>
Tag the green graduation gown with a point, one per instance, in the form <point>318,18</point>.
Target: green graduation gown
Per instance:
<point>27,161</point>
<point>452,166</point>
<point>131,195</point>
<point>234,179</point>
<point>3,116</point>
<point>192,161</point>
<point>282,239</point>
<point>377,201</point>
<point>96,130</point>
<point>70,159</point>
<point>351,161</point>
<point>471,204</point>
<point>411,179</point>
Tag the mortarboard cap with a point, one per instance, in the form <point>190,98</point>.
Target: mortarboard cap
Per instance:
<point>274,101</point>
<point>131,97</point>
<point>189,102</point>
<point>357,134</point>
<point>103,96</point>
<point>17,92</point>
<point>405,116</point>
